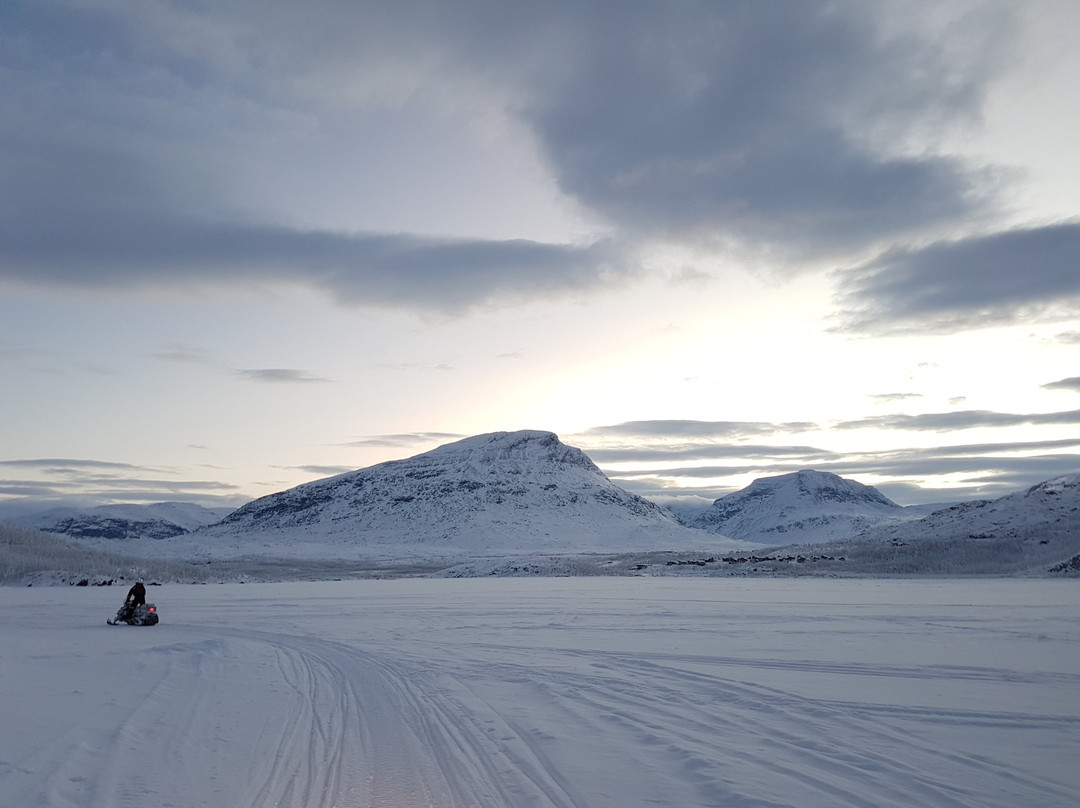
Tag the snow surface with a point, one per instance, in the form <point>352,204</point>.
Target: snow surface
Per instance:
<point>514,693</point>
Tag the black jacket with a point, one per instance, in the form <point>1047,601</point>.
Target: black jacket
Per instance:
<point>136,596</point>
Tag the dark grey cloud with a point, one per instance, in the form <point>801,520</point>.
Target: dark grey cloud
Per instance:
<point>129,136</point>
<point>1008,277</point>
<point>126,137</point>
<point>961,419</point>
<point>1072,383</point>
<point>280,375</point>
<point>751,121</point>
<point>404,271</point>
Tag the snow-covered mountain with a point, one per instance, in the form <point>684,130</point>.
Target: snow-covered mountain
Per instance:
<point>518,492</point>
<point>805,506</point>
<point>160,520</point>
<point>1044,512</point>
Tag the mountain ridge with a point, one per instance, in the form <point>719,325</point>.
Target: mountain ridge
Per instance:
<point>522,491</point>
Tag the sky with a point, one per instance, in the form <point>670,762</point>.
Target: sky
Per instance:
<point>245,245</point>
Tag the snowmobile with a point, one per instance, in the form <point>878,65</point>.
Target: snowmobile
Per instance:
<point>145,614</point>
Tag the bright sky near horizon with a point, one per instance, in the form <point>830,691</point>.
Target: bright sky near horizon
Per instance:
<point>246,245</point>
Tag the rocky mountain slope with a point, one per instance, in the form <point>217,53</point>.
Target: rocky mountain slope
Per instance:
<point>501,492</point>
<point>1044,512</point>
<point>805,506</point>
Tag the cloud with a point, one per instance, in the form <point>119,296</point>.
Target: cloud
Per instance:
<point>137,143</point>
<point>184,355</point>
<point>322,471</point>
<point>130,157</point>
<point>396,271</point>
<point>1003,278</point>
<point>675,429</point>
<point>280,375</point>
<point>890,398</point>
<point>404,440</point>
<point>45,482</point>
<point>646,441</point>
<point>70,466</point>
<point>1072,383</point>
<point>675,460</point>
<point>963,419</point>
<point>913,475</point>
<point>709,451</point>
<point>755,122</point>
<point>440,366</point>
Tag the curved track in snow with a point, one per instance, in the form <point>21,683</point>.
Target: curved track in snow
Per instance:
<point>277,720</point>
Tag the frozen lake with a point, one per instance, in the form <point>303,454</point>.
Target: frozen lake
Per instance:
<point>583,692</point>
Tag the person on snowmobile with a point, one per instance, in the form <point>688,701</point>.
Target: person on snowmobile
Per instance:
<point>136,596</point>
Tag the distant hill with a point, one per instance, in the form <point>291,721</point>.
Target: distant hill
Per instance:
<point>160,520</point>
<point>502,492</point>
<point>805,506</point>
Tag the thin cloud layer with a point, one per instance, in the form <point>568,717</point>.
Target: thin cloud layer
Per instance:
<point>674,461</point>
<point>910,475</point>
<point>280,375</point>
<point>683,429</point>
<point>961,419</point>
<point>37,482</point>
<point>410,440</point>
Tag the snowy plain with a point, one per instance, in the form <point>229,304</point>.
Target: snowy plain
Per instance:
<point>567,692</point>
